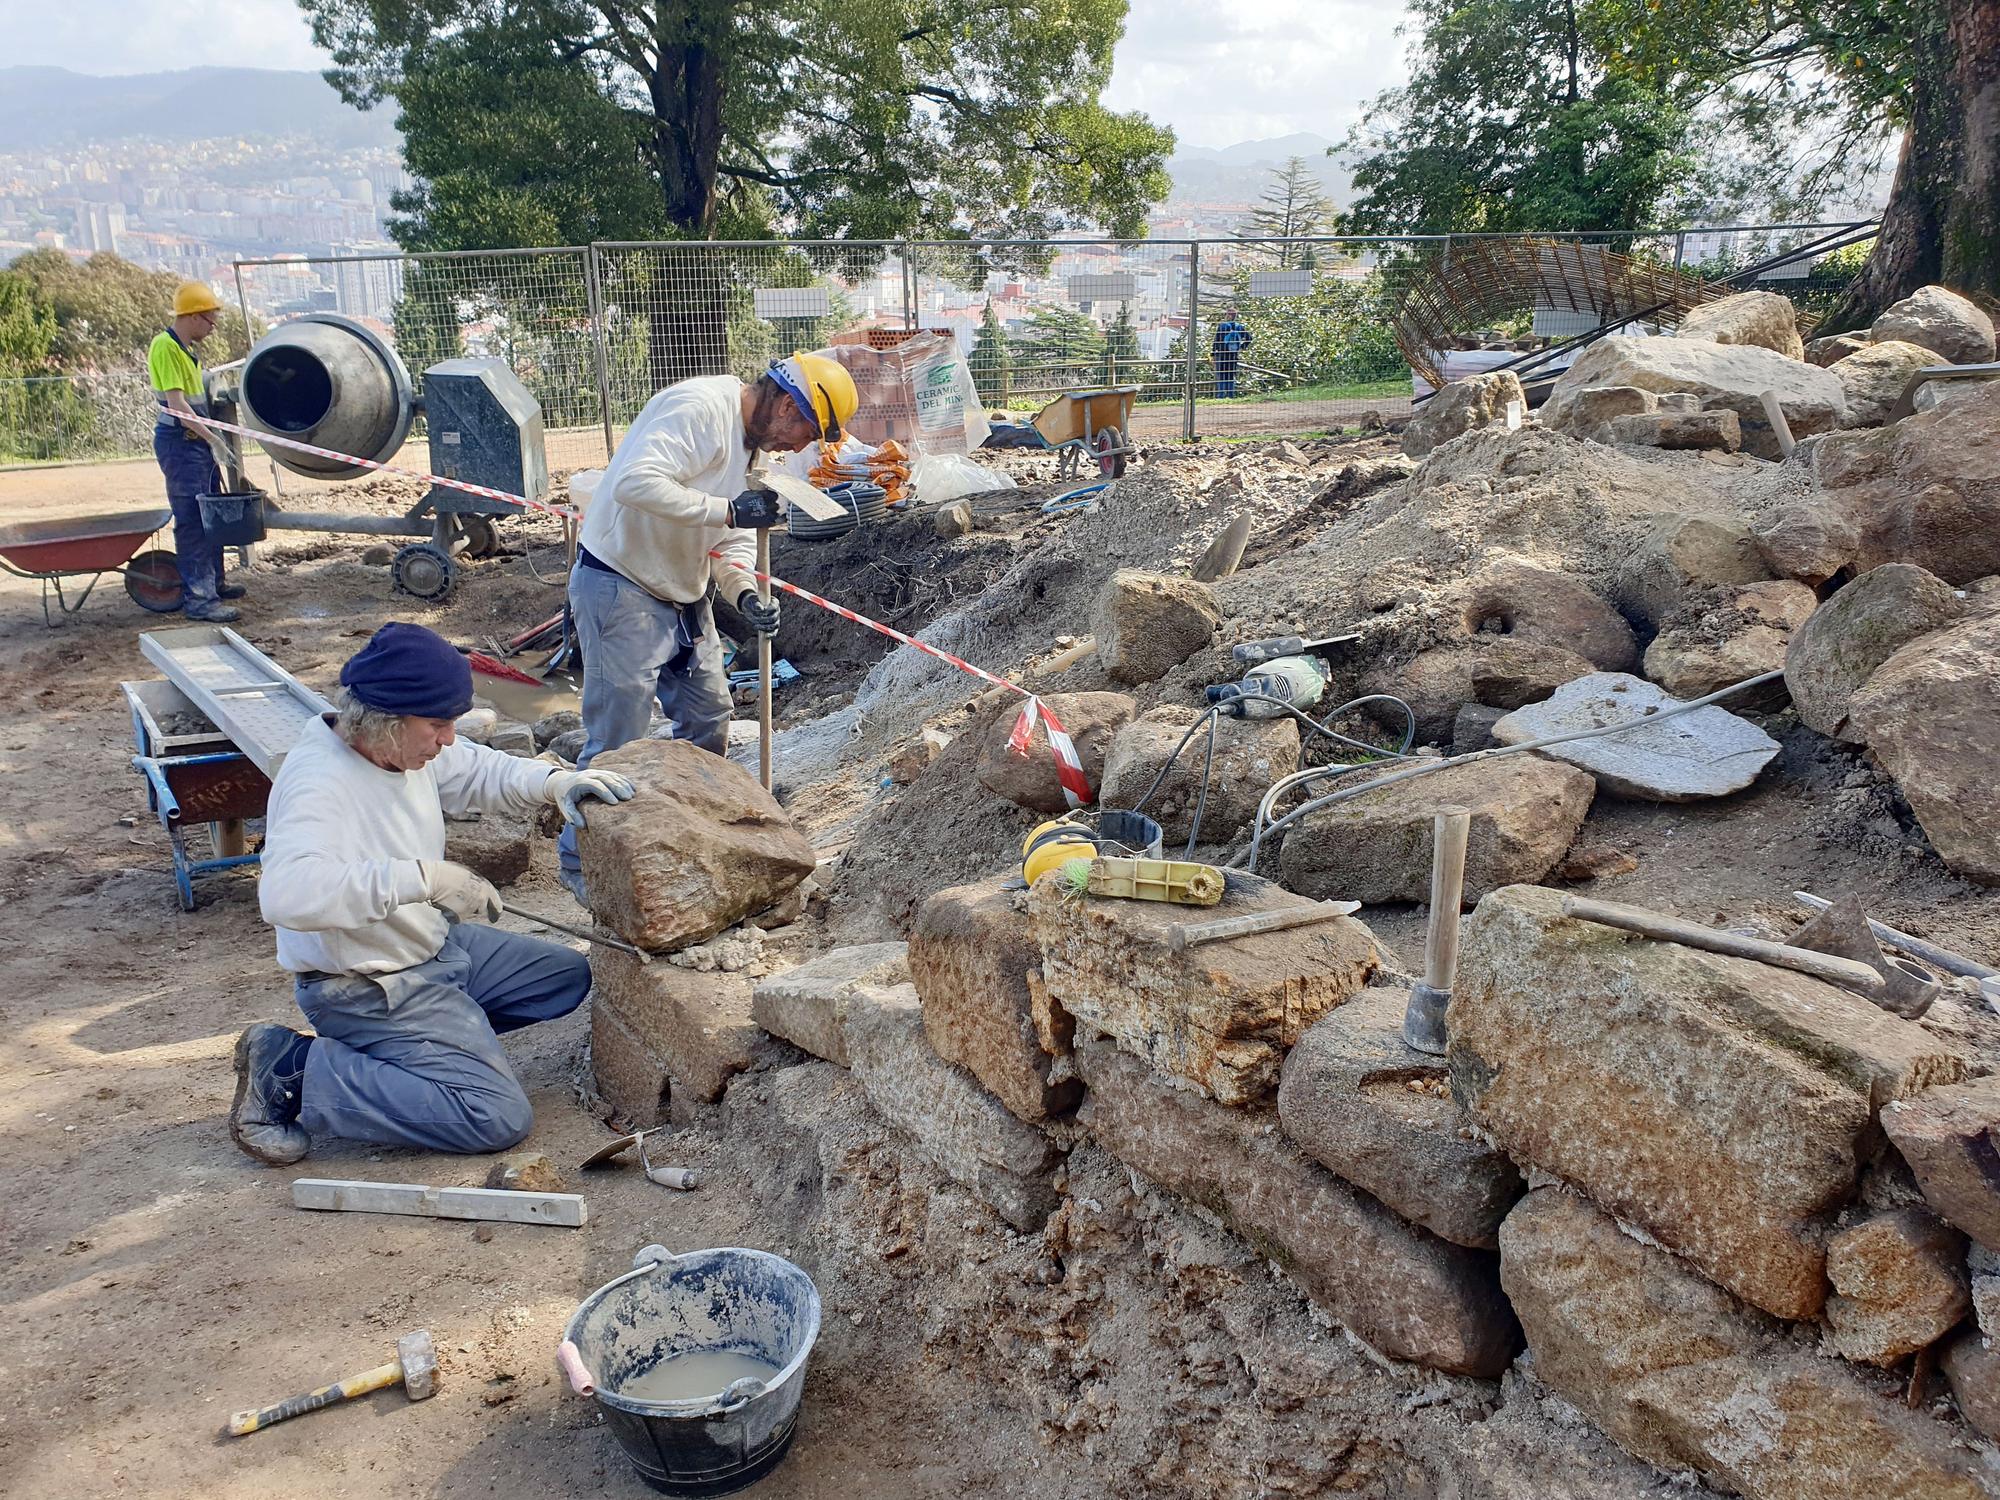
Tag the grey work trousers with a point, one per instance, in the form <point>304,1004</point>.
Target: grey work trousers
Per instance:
<point>636,651</point>
<point>413,1057</point>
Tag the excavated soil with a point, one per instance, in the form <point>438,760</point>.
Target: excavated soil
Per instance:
<point>154,1279</point>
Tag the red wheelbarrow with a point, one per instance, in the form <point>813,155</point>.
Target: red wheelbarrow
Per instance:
<point>72,547</point>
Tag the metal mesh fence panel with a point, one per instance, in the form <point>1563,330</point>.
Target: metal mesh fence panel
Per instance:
<point>1216,338</point>
<point>1293,336</point>
<point>64,418</point>
<point>668,312</point>
<point>1039,320</point>
<point>532,308</point>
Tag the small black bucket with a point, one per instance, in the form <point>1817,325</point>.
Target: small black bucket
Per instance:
<point>233,520</point>
<point>707,1301</point>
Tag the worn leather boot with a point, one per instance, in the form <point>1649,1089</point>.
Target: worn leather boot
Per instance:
<point>270,1068</point>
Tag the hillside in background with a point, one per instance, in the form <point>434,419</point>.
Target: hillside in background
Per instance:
<point>1237,174</point>
<point>54,107</point>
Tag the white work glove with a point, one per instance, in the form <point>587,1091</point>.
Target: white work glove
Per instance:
<point>467,896</point>
<point>567,789</point>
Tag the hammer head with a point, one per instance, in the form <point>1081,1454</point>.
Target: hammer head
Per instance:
<point>418,1357</point>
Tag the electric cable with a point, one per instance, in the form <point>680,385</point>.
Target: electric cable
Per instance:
<point>1260,831</point>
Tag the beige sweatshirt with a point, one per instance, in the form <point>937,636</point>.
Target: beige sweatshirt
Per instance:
<point>663,504</point>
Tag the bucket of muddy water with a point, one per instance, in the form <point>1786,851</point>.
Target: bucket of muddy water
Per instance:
<point>698,1361</point>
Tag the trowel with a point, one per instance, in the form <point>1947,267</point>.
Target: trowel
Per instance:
<point>682,1179</point>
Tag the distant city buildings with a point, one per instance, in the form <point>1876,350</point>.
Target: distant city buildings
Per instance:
<point>195,209</point>
<point>315,219</point>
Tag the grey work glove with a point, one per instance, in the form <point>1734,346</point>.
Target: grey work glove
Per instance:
<point>457,890</point>
<point>756,510</point>
<point>763,616</point>
<point>569,789</point>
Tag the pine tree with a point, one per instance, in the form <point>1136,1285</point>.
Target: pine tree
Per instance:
<point>1121,348</point>
<point>1294,205</point>
<point>992,366</point>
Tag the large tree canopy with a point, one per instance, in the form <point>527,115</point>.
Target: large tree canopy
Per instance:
<point>1513,119</point>
<point>559,121</point>
<point>1846,74</point>
<point>1600,114</point>
<point>102,312</point>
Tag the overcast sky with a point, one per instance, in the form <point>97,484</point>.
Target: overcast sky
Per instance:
<point>1217,77</point>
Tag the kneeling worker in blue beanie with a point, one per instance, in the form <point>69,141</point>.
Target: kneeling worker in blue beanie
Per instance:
<point>406,991</point>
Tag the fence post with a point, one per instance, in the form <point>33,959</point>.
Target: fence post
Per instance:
<point>1190,346</point>
<point>593,292</point>
<point>243,305</point>
<point>909,286</point>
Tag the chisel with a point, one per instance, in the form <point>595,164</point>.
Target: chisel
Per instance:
<point>590,937</point>
<point>1255,653</point>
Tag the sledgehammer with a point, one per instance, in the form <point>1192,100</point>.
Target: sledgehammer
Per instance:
<point>415,1365</point>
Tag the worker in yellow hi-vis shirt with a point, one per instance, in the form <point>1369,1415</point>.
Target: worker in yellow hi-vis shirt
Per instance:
<point>183,451</point>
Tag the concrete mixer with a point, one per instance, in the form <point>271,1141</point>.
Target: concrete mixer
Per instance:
<point>332,382</point>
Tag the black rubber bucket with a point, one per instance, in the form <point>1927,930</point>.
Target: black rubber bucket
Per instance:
<point>706,1302</point>
<point>233,520</point>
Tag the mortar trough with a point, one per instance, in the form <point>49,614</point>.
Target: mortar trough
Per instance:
<point>709,1308</point>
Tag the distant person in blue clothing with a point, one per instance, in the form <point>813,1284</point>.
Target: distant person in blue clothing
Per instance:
<point>1231,339</point>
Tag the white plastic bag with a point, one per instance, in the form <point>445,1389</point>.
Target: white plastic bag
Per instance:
<point>582,485</point>
<point>938,478</point>
<point>951,419</point>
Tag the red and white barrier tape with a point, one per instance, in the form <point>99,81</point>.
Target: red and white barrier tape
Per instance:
<point>505,497</point>
<point>1069,766</point>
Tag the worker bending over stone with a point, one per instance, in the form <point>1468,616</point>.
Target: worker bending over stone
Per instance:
<point>673,494</point>
<point>407,991</point>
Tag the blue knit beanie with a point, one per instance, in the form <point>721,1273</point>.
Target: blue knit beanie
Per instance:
<point>406,669</point>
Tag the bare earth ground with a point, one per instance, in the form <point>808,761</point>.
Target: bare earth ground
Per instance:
<point>152,1279</point>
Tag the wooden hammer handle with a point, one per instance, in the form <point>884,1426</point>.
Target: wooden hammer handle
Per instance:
<point>244,1423</point>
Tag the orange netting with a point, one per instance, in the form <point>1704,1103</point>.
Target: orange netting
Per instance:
<point>887,465</point>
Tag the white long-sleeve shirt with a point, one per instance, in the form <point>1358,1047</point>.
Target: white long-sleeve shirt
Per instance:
<point>663,502</point>
<point>343,838</point>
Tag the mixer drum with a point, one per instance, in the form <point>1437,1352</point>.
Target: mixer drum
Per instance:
<point>328,380</point>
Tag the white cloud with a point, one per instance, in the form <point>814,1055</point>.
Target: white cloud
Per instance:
<point>1221,73</point>
<point>144,36</point>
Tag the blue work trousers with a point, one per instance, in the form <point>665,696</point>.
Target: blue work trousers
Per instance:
<point>638,650</point>
<point>413,1057</point>
<point>191,472</point>
<point>1225,374</point>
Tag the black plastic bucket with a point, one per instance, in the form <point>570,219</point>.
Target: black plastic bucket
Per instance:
<point>233,520</point>
<point>705,1302</point>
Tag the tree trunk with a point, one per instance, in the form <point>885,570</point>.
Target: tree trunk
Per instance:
<point>1972,224</point>
<point>1942,223</point>
<point>688,318</point>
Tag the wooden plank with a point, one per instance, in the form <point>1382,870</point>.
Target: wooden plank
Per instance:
<point>564,1210</point>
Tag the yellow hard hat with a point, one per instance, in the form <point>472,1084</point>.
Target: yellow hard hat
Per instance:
<point>831,388</point>
<point>194,297</point>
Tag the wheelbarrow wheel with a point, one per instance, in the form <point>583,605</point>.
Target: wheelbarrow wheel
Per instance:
<point>1109,446</point>
<point>482,537</point>
<point>153,581</point>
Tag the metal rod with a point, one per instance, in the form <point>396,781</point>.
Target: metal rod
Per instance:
<point>764,661</point>
<point>1185,935</point>
<point>1916,947</point>
<point>1188,344</point>
<point>593,292</point>
<point>1846,972</point>
<point>313,520</point>
<point>592,937</point>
